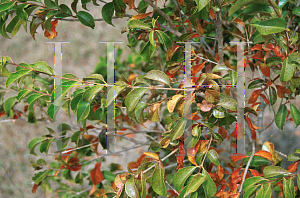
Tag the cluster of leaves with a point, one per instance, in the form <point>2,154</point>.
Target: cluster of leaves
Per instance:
<point>148,90</point>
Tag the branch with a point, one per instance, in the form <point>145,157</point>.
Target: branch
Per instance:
<point>100,19</point>
<point>163,159</point>
<point>164,16</point>
<point>219,34</point>
<point>247,167</point>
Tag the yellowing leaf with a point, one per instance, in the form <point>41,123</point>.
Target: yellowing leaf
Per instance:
<point>153,155</point>
<point>172,103</point>
<point>53,34</point>
<point>141,16</point>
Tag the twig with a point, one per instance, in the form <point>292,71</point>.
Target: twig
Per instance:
<point>247,167</point>
<point>100,19</point>
<point>282,154</point>
<point>171,187</point>
<point>163,159</point>
<point>201,166</point>
<point>219,34</point>
<point>172,25</point>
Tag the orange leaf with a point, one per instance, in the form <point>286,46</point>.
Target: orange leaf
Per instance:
<point>293,167</point>
<point>235,195</point>
<point>132,77</point>
<point>35,186</point>
<point>265,98</point>
<point>54,33</point>
<point>180,156</point>
<point>238,156</point>
<point>130,4</point>
<point>257,47</point>
<point>254,96</point>
<point>264,154</point>
<point>220,172</point>
<point>96,174</point>
<point>205,106</point>
<point>141,16</point>
<point>254,172</point>
<point>239,21</point>
<point>282,90</point>
<point>253,136</point>
<point>265,69</point>
<point>140,159</point>
<point>222,132</point>
<point>181,2</point>
<point>197,68</point>
<point>212,14</point>
<point>277,51</point>
<point>251,125</point>
<point>237,133</point>
<point>191,152</point>
<point>200,28</point>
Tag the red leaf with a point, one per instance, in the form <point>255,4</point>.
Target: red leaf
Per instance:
<point>130,4</point>
<point>264,154</point>
<point>293,167</point>
<point>253,136</point>
<point>96,174</point>
<point>53,33</point>
<point>141,16</point>
<point>222,132</point>
<point>239,21</point>
<point>190,24</point>
<point>191,153</point>
<point>254,96</point>
<point>2,113</point>
<point>269,47</point>
<point>197,68</point>
<point>254,172</point>
<point>238,156</point>
<point>257,47</point>
<point>212,14</point>
<point>200,28</point>
<point>73,164</point>
<point>265,98</point>
<point>180,156</point>
<point>35,186</point>
<point>277,51</point>
<point>281,91</point>
<point>265,69</point>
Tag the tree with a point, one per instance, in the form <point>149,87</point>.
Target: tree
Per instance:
<point>195,115</point>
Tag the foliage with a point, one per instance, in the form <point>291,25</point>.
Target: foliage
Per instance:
<point>149,88</point>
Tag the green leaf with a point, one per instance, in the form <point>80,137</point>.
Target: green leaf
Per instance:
<point>273,95</point>
<point>196,182</point>
<point>86,19</point>
<point>133,98</point>
<point>76,136</point>
<point>271,26</point>
<point>147,52</point>
<point>33,143</point>
<point>219,68</point>
<point>293,157</point>
<point>108,12</point>
<point>109,176</point>
<point>21,12</point>
<point>143,184</point>
<point>158,183</point>
<point>273,61</point>
<point>296,11</point>
<point>90,93</point>
<point>8,104</point>
<point>250,192</point>
<point>120,7</point>
<point>32,99</point>
<point>250,182</point>
<point>40,176</point>
<point>164,39</point>
<point>138,24</point>
<point>228,103</point>
<point>256,84</point>
<point>233,77</point>
<point>287,71</point>
<point>45,146</point>
<point>12,24</point>
<point>280,117</point>
<point>113,93</point>
<point>274,171</point>
<point>294,57</point>
<point>151,38</point>
<point>6,6</point>
<point>79,178</point>
<point>288,187</point>
<point>158,76</point>
<point>83,110</point>
<point>15,76</point>
<point>295,114</point>
<point>178,130</point>
<point>139,112</point>
<point>214,157</point>
<point>50,4</point>
<point>181,176</point>
<point>243,3</point>
<point>209,185</point>
<point>201,4</point>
